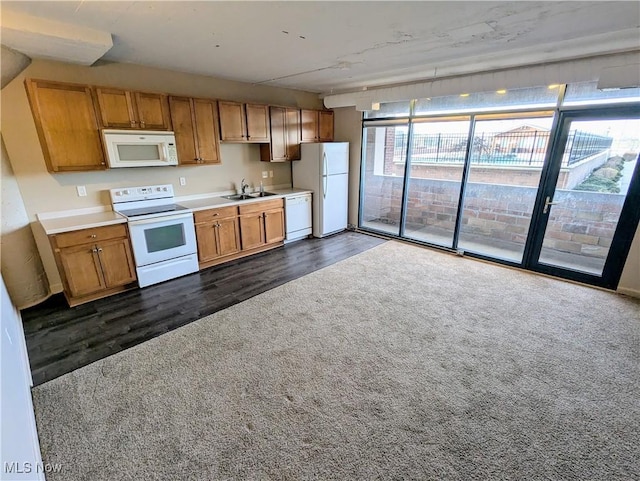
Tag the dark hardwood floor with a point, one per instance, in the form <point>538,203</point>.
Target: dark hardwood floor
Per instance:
<point>61,339</point>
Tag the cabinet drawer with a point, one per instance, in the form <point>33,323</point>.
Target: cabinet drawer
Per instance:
<point>95,234</point>
<point>261,206</point>
<point>215,214</point>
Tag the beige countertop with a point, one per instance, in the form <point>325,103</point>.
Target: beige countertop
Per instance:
<point>54,224</point>
<point>218,201</point>
<point>77,222</point>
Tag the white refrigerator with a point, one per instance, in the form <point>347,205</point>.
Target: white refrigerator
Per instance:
<point>324,169</point>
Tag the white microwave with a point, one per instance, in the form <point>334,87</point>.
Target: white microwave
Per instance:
<point>139,148</point>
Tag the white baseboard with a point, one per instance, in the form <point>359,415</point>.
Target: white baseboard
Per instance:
<point>629,292</point>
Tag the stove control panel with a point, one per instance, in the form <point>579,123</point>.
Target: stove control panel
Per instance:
<point>148,192</point>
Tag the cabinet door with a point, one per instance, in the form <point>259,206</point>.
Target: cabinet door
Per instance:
<point>309,125</point>
<point>228,236</point>
<point>206,238</point>
<point>278,134</point>
<point>152,111</point>
<point>251,231</point>
<point>82,269</point>
<point>67,126</point>
<point>232,121</point>
<point>293,134</point>
<point>116,262</point>
<point>325,126</point>
<point>257,123</point>
<point>183,127</point>
<point>274,225</point>
<point>116,108</point>
<point>206,131</point>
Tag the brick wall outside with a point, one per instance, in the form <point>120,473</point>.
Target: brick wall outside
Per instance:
<point>582,223</point>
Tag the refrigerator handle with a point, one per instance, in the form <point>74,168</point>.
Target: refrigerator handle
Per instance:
<point>324,175</point>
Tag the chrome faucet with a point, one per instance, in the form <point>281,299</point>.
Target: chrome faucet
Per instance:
<point>243,186</point>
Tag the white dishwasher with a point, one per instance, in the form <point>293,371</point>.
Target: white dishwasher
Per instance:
<point>297,211</point>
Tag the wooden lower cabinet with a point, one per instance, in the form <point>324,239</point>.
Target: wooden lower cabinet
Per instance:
<point>228,233</point>
<point>217,234</point>
<point>262,223</point>
<point>94,263</point>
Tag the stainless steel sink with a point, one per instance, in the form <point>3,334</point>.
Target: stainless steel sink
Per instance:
<point>238,197</point>
<point>248,196</point>
<point>263,194</point>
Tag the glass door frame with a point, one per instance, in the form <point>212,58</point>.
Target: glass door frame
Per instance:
<point>629,216</point>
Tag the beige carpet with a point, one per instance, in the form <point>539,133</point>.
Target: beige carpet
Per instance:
<point>399,363</point>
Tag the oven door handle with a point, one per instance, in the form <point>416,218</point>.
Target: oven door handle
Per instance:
<point>165,218</point>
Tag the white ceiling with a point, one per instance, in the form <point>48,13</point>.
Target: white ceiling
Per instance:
<point>334,46</point>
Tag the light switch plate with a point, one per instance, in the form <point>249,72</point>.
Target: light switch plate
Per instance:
<point>271,173</point>
<point>265,174</point>
<point>82,191</point>
<point>183,181</point>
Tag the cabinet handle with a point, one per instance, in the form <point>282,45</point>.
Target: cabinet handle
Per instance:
<point>93,236</point>
<point>142,124</point>
<point>99,249</point>
<point>217,213</point>
<point>133,123</point>
<point>94,250</point>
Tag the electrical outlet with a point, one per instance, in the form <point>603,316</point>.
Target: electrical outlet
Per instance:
<point>183,181</point>
<point>265,174</point>
<point>82,191</point>
<point>271,173</point>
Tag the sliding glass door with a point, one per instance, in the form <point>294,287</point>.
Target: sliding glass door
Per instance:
<point>588,208</point>
<point>382,184</point>
<point>506,160</point>
<point>437,155</point>
<point>545,179</point>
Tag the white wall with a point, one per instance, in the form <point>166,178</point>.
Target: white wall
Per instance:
<point>23,271</point>
<point>630,280</point>
<point>19,438</point>
<point>348,128</point>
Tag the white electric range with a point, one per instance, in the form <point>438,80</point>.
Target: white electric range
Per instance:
<point>162,232</point>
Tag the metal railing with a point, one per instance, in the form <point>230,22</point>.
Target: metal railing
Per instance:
<point>526,148</point>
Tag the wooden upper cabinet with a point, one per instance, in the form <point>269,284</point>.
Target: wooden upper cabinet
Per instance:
<point>153,111</point>
<point>277,150</point>
<point>184,129</point>
<point>292,133</point>
<point>285,136</point>
<point>233,126</point>
<point>195,125</point>
<point>325,126</point>
<point>243,122</point>
<point>309,125</point>
<point>316,125</point>
<point>116,108</point>
<point>67,125</point>
<point>122,109</point>
<point>257,123</point>
<point>206,122</point>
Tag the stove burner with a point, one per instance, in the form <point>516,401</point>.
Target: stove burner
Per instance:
<point>152,210</point>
